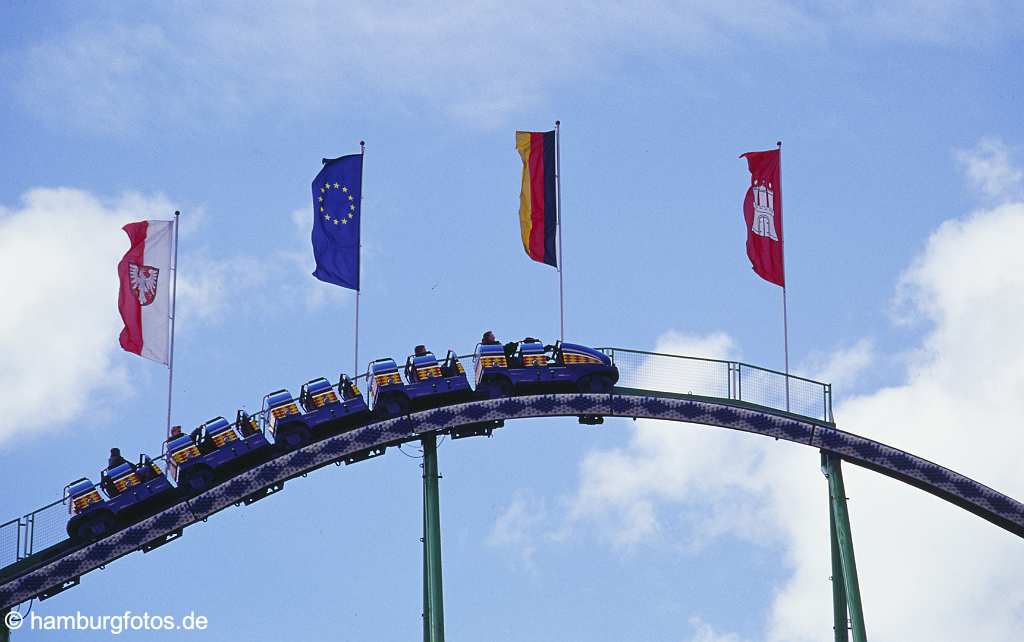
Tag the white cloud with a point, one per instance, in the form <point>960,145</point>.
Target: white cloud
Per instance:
<point>519,529</point>
<point>59,322</point>
<point>95,72</point>
<point>297,259</point>
<point>717,345</point>
<point>620,488</point>
<point>121,70</point>
<point>927,569</point>
<point>478,62</point>
<point>704,632</point>
<point>209,286</point>
<point>961,23</point>
<point>843,366</point>
<point>212,285</point>
<point>990,170</point>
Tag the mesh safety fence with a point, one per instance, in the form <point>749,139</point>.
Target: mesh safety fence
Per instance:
<point>659,372</point>
<point>9,540</point>
<point>45,527</point>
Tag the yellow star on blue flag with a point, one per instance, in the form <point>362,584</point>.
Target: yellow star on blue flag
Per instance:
<point>336,199</point>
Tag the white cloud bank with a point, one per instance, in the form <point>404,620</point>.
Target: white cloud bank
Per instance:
<point>126,69</point>
<point>59,322</point>
<point>478,61</point>
<point>928,570</point>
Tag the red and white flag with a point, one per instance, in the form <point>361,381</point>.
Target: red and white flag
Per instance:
<point>145,299</point>
<point>762,209</point>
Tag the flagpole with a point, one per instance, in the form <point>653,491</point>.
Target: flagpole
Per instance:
<point>561,256</point>
<point>174,300</point>
<point>785,310</point>
<point>355,353</point>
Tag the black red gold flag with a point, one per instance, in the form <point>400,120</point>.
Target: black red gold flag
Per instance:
<point>538,212</point>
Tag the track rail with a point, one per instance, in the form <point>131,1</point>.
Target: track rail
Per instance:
<point>64,570</point>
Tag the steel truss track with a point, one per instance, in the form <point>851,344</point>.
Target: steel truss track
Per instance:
<point>56,574</point>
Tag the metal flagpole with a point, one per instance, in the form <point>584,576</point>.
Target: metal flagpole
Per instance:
<point>174,300</point>
<point>355,357</point>
<point>785,337</point>
<point>785,311</point>
<point>355,353</point>
<point>561,256</point>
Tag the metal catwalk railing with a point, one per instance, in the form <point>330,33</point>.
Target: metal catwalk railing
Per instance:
<point>43,528</point>
<point>722,379</point>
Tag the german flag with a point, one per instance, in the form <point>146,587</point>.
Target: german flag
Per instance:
<point>537,210</point>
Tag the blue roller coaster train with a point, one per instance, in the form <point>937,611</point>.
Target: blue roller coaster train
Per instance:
<point>146,505</point>
<point>218,450</point>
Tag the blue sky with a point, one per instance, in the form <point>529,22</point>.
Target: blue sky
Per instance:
<point>903,197</point>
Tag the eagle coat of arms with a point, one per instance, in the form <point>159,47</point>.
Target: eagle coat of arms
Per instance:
<point>143,279</point>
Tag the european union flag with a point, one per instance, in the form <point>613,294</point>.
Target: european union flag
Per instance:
<point>336,213</point>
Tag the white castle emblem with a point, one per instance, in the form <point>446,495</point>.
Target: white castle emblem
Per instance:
<point>764,211</point>
<point>142,279</point>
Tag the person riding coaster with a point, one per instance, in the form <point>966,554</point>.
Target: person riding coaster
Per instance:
<point>217,450</point>
<point>531,367</point>
<point>427,384</point>
<point>131,490</point>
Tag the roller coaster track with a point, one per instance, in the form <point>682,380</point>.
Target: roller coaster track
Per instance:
<point>57,571</point>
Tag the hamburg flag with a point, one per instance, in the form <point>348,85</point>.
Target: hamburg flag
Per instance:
<point>144,299</point>
<point>337,209</point>
<point>762,210</point>
<point>538,217</point>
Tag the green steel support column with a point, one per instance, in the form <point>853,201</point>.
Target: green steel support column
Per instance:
<point>832,467</point>
<point>839,621</point>
<point>432,541</point>
<point>426,590</point>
